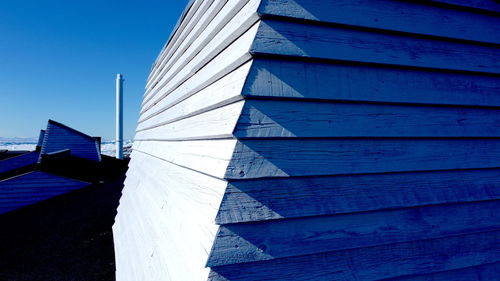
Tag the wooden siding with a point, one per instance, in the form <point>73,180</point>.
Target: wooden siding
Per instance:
<point>17,162</point>
<point>369,112</point>
<point>165,227</point>
<point>318,140</point>
<point>33,187</point>
<point>40,138</point>
<point>60,137</point>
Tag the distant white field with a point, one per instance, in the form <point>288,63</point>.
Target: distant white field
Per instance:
<point>107,147</point>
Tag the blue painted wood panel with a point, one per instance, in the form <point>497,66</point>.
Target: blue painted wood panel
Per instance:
<point>485,272</point>
<point>315,157</point>
<point>18,162</point>
<point>402,16</point>
<point>271,199</point>
<point>34,187</point>
<point>60,137</point>
<point>373,263</point>
<point>487,5</point>
<point>294,119</point>
<point>40,138</point>
<point>239,243</point>
<point>337,43</point>
<point>334,81</point>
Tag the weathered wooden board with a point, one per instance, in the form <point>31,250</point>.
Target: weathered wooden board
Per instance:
<point>337,43</point>
<point>487,5</point>
<point>334,81</point>
<point>300,157</point>
<point>205,50</point>
<point>412,17</point>
<point>206,156</point>
<point>291,119</point>
<point>60,137</point>
<point>178,207</point>
<point>239,243</point>
<point>229,60</point>
<point>485,272</point>
<point>179,33</point>
<point>267,199</point>
<point>373,263</point>
<point>193,27</point>
<point>221,93</point>
<point>213,124</point>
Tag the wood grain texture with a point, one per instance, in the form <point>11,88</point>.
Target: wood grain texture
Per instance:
<point>291,119</point>
<point>215,123</point>
<point>184,24</point>
<point>175,209</point>
<point>334,81</point>
<point>336,43</point>
<point>487,5</point>
<point>288,158</point>
<point>210,157</point>
<point>205,51</point>
<point>190,29</point>
<point>485,272</point>
<point>220,93</point>
<point>412,17</point>
<point>229,60</point>
<point>373,263</point>
<point>240,243</point>
<point>268,199</point>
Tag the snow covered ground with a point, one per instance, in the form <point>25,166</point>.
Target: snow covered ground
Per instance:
<point>107,147</point>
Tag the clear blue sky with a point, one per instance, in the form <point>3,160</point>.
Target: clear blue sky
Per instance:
<point>59,59</point>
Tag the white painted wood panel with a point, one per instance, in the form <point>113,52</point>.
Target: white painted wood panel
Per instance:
<point>233,56</point>
<point>222,92</point>
<point>205,49</point>
<point>201,23</point>
<point>183,26</point>
<point>207,156</point>
<point>214,124</point>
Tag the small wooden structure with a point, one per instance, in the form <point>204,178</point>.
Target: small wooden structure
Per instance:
<point>318,140</point>
<point>59,137</point>
<point>29,178</point>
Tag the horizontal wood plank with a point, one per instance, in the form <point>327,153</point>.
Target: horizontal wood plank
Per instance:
<point>485,272</point>
<point>325,81</point>
<point>206,156</point>
<point>220,93</point>
<point>226,62</point>
<point>291,119</point>
<point>190,29</point>
<point>215,123</point>
<point>267,199</point>
<point>240,243</point>
<point>300,157</point>
<point>412,17</point>
<point>374,263</point>
<point>487,5</point>
<point>336,43</point>
<point>205,51</point>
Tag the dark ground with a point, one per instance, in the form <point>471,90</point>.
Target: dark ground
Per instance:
<point>68,237</point>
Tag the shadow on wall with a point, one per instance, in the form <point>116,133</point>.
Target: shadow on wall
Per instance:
<point>68,237</point>
<point>351,172</point>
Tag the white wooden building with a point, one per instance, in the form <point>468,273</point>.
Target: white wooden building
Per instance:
<point>318,140</point>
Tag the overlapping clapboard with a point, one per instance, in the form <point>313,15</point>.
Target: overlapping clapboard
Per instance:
<point>318,140</point>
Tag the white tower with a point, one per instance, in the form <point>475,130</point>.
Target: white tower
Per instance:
<point>119,116</point>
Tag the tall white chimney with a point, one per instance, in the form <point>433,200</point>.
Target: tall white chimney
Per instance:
<point>119,116</point>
